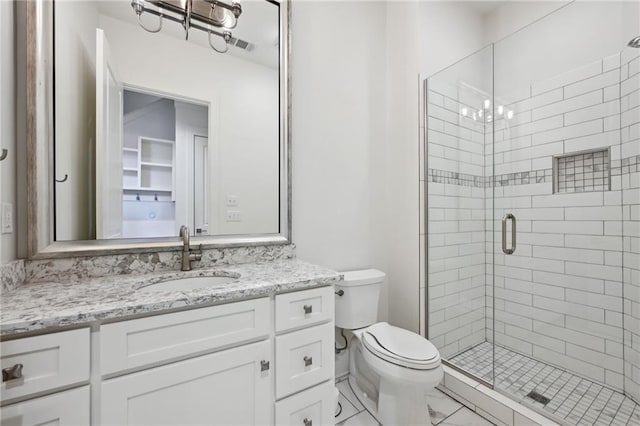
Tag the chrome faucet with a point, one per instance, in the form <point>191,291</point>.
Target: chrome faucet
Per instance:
<point>187,256</point>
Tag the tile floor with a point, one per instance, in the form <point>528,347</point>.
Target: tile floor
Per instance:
<point>573,399</point>
<point>444,410</point>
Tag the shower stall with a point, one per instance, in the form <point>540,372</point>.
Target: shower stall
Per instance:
<point>532,191</point>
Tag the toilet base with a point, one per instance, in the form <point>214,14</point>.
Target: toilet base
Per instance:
<point>400,404</point>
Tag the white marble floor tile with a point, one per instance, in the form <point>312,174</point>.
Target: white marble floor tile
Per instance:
<point>348,409</point>
<point>362,419</point>
<point>441,406</point>
<point>345,389</point>
<point>465,417</point>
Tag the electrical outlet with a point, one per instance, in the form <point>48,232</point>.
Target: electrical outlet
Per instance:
<point>232,201</point>
<point>7,218</point>
<point>233,216</point>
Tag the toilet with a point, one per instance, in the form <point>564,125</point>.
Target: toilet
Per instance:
<point>390,369</point>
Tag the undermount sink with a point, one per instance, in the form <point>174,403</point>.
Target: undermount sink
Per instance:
<point>187,283</point>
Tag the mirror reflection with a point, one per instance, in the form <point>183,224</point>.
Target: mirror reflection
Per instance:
<point>163,121</point>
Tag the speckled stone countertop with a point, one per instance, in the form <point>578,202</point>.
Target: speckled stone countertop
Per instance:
<point>45,306</point>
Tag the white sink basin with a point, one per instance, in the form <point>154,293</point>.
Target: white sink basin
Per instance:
<point>191,283</point>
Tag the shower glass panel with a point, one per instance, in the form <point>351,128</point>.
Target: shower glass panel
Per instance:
<point>533,214</point>
<point>558,305</point>
<point>629,181</point>
<point>459,143</point>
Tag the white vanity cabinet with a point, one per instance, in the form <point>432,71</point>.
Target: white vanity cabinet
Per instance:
<point>67,408</point>
<point>262,361</point>
<point>232,385</point>
<point>305,358</point>
<point>223,388</point>
<point>46,364</point>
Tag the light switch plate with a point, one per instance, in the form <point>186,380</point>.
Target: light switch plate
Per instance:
<point>232,201</point>
<point>7,218</point>
<point>233,216</point>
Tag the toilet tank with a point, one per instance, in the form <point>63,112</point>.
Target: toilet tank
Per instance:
<point>358,305</point>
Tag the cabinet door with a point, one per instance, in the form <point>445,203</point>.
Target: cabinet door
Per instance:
<point>70,408</point>
<point>224,388</point>
<point>313,407</point>
<point>49,362</point>
<point>304,358</point>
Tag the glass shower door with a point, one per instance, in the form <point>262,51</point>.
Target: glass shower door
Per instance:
<point>459,139</point>
<point>558,215</point>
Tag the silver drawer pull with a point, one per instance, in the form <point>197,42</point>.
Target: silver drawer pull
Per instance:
<point>308,309</point>
<point>308,361</point>
<point>264,365</point>
<point>12,373</point>
<point>307,422</point>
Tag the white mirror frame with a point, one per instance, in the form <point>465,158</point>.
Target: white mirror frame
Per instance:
<point>40,154</point>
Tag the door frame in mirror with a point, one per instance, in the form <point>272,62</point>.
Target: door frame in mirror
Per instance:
<point>40,153</point>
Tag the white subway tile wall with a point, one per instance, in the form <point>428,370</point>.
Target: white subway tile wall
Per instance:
<point>557,297</point>
<point>456,210</point>
<point>629,181</point>
<point>570,294</point>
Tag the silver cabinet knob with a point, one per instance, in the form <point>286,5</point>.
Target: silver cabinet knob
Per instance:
<point>308,361</point>
<point>11,373</point>
<point>308,309</point>
<point>307,422</point>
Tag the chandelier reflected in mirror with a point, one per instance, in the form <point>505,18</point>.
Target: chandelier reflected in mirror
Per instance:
<point>215,17</point>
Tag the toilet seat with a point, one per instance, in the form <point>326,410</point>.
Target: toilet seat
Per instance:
<point>400,347</point>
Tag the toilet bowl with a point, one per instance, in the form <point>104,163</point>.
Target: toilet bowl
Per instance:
<point>390,369</point>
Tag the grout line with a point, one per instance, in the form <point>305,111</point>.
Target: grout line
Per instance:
<point>463,406</point>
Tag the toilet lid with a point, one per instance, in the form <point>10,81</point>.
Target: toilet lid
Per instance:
<point>400,347</point>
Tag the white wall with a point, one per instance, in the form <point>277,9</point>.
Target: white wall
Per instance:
<point>339,163</point>
<point>511,16</point>
<point>338,141</point>
<point>75,88</point>
<point>7,127</point>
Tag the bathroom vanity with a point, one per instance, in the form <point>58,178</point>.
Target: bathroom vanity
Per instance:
<point>104,330</point>
<point>257,349</point>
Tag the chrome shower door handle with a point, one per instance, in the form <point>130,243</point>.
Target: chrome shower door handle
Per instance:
<point>506,217</point>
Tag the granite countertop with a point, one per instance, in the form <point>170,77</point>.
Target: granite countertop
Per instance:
<point>49,305</point>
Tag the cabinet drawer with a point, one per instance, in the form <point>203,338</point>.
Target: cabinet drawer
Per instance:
<point>143,342</point>
<point>313,407</point>
<point>48,362</point>
<point>304,308</point>
<point>303,359</point>
<point>231,387</point>
<point>70,408</point>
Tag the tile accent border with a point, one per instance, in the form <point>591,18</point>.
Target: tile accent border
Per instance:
<point>618,168</point>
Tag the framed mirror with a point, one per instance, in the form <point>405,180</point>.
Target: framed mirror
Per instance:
<point>147,115</point>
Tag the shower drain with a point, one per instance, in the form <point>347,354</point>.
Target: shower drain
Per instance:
<point>538,397</point>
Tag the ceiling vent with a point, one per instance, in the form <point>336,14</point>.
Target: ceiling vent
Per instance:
<point>241,44</point>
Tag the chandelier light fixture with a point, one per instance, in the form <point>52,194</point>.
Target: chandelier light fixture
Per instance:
<point>215,17</point>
